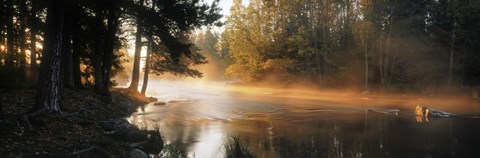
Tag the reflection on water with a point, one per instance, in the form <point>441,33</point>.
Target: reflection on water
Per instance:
<point>276,123</point>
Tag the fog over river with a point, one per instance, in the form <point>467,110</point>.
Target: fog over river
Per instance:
<point>198,117</point>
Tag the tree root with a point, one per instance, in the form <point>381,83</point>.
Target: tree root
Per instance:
<point>24,119</point>
<point>92,151</point>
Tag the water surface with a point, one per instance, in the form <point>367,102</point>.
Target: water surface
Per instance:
<point>199,116</point>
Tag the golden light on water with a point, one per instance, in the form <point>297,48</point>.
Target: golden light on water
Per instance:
<point>311,97</point>
<point>201,114</point>
<point>209,142</point>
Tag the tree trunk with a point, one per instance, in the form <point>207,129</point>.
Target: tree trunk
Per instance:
<point>366,61</point>
<point>316,52</point>
<point>67,59</point>
<point>147,58</point>
<point>2,27</point>
<point>387,66</point>
<point>452,44</point>
<point>77,77</point>
<point>76,49</point>
<point>23,41</point>
<point>113,25</point>
<point>136,61</point>
<point>98,54</point>
<point>347,24</point>
<point>33,77</point>
<point>10,37</point>
<point>67,62</point>
<point>326,32</point>
<point>380,60</point>
<point>452,53</point>
<point>2,34</point>
<point>47,98</point>
<point>147,66</point>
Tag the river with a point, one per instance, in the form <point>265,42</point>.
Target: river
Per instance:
<point>199,116</point>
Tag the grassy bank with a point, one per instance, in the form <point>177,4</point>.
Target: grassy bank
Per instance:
<point>235,148</point>
<point>78,131</point>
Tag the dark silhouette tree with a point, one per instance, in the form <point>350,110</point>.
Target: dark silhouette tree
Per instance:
<point>113,24</point>
<point>9,61</point>
<point>47,98</point>
<point>138,47</point>
<point>67,56</point>
<point>170,22</point>
<point>22,40</point>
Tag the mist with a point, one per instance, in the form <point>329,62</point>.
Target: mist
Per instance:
<point>268,78</point>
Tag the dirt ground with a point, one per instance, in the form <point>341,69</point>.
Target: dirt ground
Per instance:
<point>74,133</point>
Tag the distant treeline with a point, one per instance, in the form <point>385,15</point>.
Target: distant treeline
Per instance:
<point>359,43</point>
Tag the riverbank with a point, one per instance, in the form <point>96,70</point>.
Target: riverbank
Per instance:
<point>89,126</point>
<point>439,91</point>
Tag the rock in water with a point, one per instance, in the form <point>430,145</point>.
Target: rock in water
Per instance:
<point>137,153</point>
<point>152,99</point>
<point>160,103</point>
<point>438,113</point>
<point>429,112</point>
<point>420,111</point>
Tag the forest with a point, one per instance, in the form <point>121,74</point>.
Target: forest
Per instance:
<point>58,58</point>
<point>361,44</point>
<point>60,44</point>
<point>364,44</point>
<point>61,62</point>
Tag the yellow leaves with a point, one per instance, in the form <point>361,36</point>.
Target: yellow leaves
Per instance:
<point>253,44</point>
<point>244,72</point>
<point>253,70</point>
<point>277,64</point>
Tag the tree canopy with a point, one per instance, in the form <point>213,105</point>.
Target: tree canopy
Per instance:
<point>354,43</point>
<point>81,43</point>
